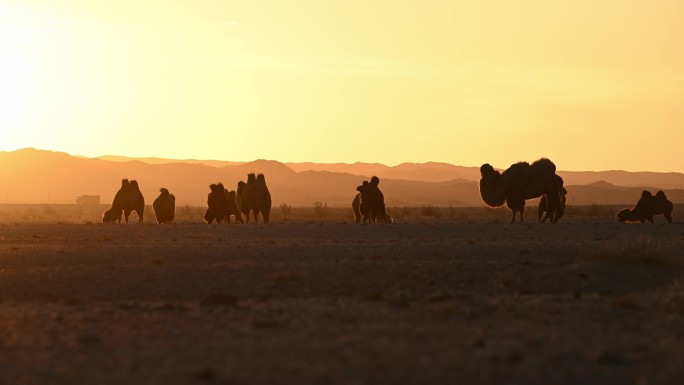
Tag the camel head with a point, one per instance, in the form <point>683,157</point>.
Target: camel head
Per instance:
<point>375,181</point>
<point>625,215</point>
<point>164,191</point>
<point>363,187</point>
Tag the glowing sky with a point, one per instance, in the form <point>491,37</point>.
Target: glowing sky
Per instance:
<point>593,85</point>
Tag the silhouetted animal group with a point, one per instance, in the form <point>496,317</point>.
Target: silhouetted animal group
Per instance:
<point>369,203</point>
<point>524,181</point>
<point>127,199</point>
<point>646,208</point>
<point>521,181</point>
<point>252,196</point>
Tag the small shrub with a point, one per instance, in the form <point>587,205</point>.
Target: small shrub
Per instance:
<point>285,209</point>
<point>321,209</point>
<point>429,211</point>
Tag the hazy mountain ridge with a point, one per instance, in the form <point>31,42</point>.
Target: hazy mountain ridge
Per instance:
<point>442,172</point>
<point>36,176</point>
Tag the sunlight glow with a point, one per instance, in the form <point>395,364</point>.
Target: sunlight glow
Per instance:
<point>584,83</point>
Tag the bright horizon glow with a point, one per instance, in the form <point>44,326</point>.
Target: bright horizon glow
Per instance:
<point>591,85</point>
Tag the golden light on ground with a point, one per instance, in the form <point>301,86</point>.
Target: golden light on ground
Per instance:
<point>590,85</point>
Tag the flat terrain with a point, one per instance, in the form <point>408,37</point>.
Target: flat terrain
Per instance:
<point>439,302</point>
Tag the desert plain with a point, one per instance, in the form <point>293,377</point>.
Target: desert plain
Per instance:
<point>461,298</point>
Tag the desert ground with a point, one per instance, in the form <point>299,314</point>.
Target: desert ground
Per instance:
<point>460,296</point>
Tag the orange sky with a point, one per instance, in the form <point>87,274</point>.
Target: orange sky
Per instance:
<point>592,85</point>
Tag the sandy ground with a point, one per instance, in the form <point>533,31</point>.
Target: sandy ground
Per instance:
<point>582,302</point>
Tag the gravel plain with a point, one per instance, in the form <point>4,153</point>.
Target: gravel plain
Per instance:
<point>308,302</point>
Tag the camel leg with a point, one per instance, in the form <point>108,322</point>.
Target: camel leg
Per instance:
<point>522,213</point>
<point>513,217</point>
<point>547,216</point>
<point>668,216</point>
<point>126,215</point>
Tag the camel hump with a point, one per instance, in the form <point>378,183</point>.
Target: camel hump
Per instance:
<point>124,182</point>
<point>544,165</point>
<point>134,185</point>
<point>375,181</point>
<point>251,177</point>
<point>646,194</point>
<point>661,194</point>
<point>220,186</point>
<point>261,179</point>
<point>164,191</point>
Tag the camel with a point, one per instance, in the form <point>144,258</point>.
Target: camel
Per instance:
<point>164,207</point>
<point>254,197</point>
<point>127,199</point>
<point>646,208</point>
<point>232,207</point>
<point>135,202</point>
<point>262,199</point>
<point>241,200</point>
<point>520,182</point>
<point>217,204</point>
<point>371,203</point>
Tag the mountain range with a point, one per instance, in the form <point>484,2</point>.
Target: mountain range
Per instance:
<point>39,176</point>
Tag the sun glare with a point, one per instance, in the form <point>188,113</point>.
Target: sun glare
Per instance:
<point>439,78</point>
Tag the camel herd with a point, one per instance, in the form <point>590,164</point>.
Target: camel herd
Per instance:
<point>524,181</point>
<point>520,182</point>
<point>251,197</point>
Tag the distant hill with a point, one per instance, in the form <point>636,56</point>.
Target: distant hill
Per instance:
<point>213,163</point>
<point>36,176</point>
<point>602,192</point>
<point>443,172</point>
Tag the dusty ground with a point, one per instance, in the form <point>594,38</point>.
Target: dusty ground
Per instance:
<point>583,302</point>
